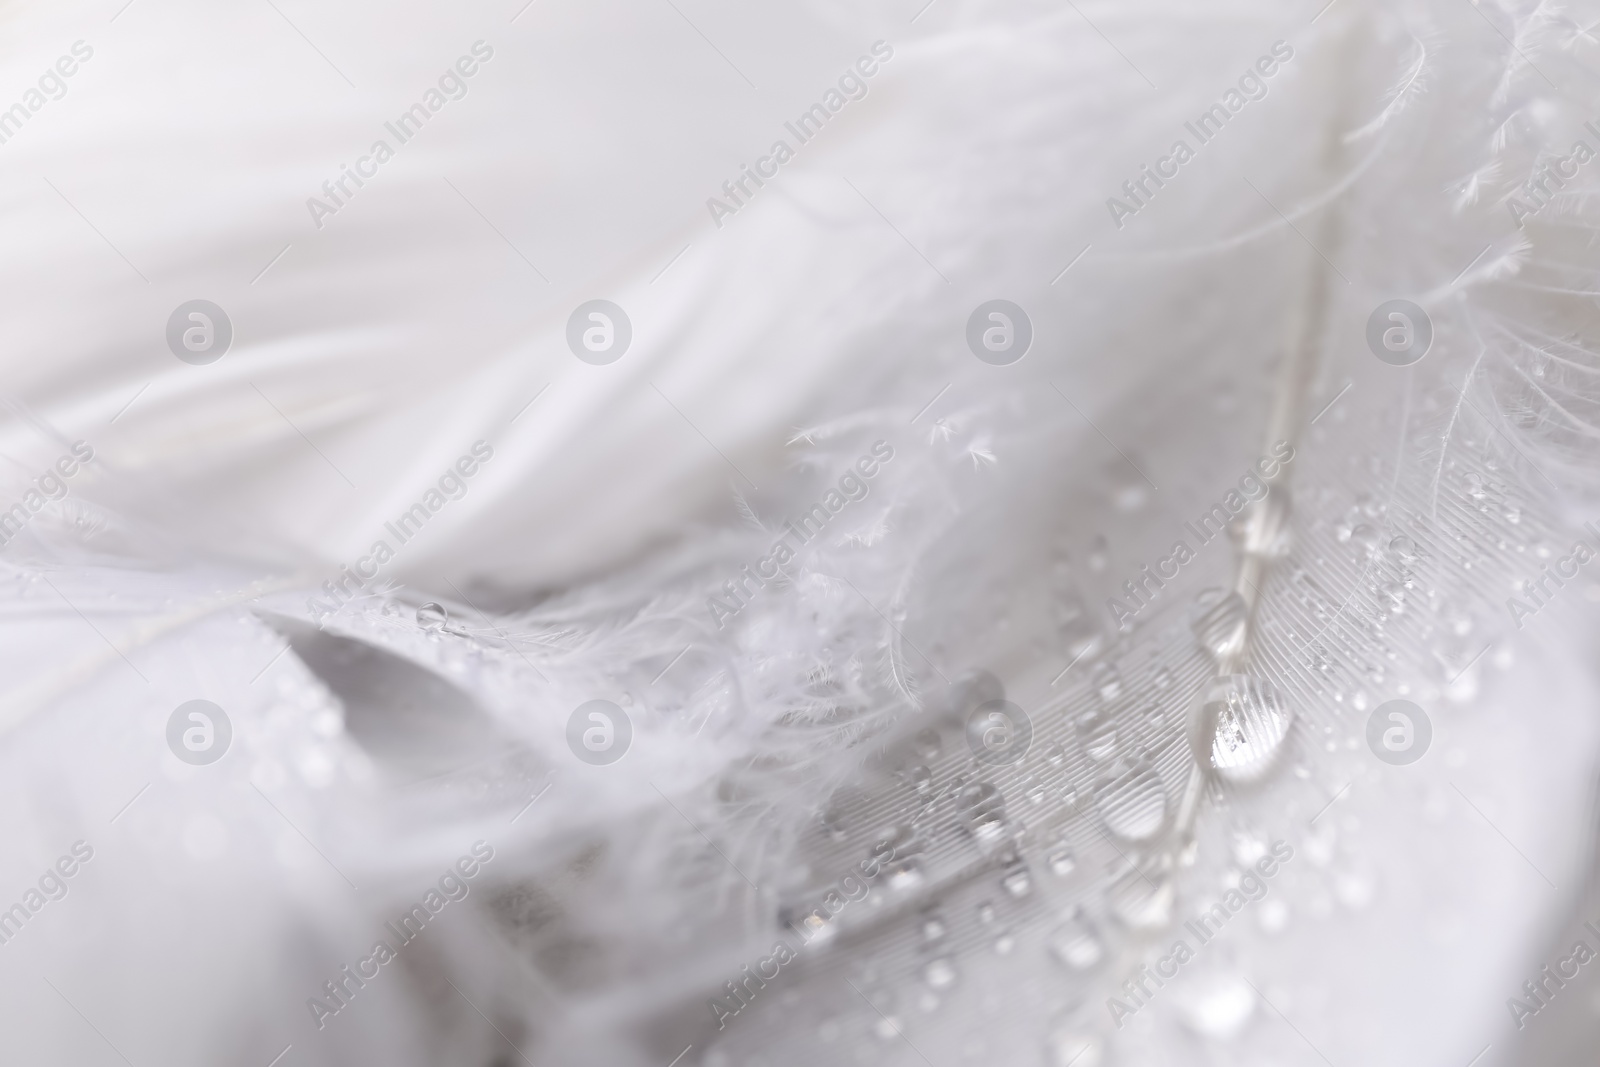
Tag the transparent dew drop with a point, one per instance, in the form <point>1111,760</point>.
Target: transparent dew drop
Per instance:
<point>1076,944</point>
<point>1143,901</point>
<point>1070,1048</point>
<point>432,617</point>
<point>1163,678</point>
<point>983,812</point>
<point>1097,733</point>
<point>1241,728</point>
<point>1107,682</point>
<point>1404,550</point>
<point>939,973</point>
<point>920,778</point>
<point>887,1028</point>
<point>933,928</point>
<point>1054,754</point>
<point>927,743</point>
<point>1221,624</point>
<point>1217,1005</point>
<point>1134,804</point>
<point>986,912</point>
<point>905,876</point>
<point>1018,882</point>
<point>1062,863</point>
<point>1004,942</point>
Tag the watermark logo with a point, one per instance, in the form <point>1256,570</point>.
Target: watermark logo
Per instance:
<point>199,332</point>
<point>599,732</point>
<point>999,332</point>
<point>1399,732</point>
<point>999,733</point>
<point>198,732</point>
<point>599,332</point>
<point>1399,332</point>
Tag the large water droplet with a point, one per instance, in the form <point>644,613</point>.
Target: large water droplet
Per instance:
<point>1241,728</point>
<point>1134,805</point>
<point>1221,623</point>
<point>432,617</point>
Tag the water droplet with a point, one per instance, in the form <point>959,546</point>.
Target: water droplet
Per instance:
<point>1247,848</point>
<point>1062,863</point>
<point>1163,678</point>
<point>1476,486</point>
<point>1221,623</point>
<point>1076,945</point>
<point>939,973</point>
<point>905,875</point>
<point>1004,942</point>
<point>1273,916</point>
<point>983,810</point>
<point>1107,681</point>
<point>986,912</point>
<point>1054,754</point>
<point>1018,882</point>
<point>432,617</point>
<point>921,778</point>
<point>1404,550</point>
<point>933,928</point>
<point>1134,805</point>
<point>927,743</point>
<point>887,1028</point>
<point>1241,728</point>
<point>1097,733</point>
<point>1217,1006</point>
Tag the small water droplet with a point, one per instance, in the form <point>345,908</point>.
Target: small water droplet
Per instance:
<point>1018,882</point>
<point>1076,945</point>
<point>1054,754</point>
<point>905,875</point>
<point>1004,942</point>
<point>933,928</point>
<point>939,973</point>
<point>1218,1005</point>
<point>1097,733</point>
<point>927,743</point>
<point>983,810</point>
<point>1062,863</point>
<point>1163,678</point>
<point>1107,681</point>
<point>986,912</point>
<point>1099,554</point>
<point>432,617</point>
